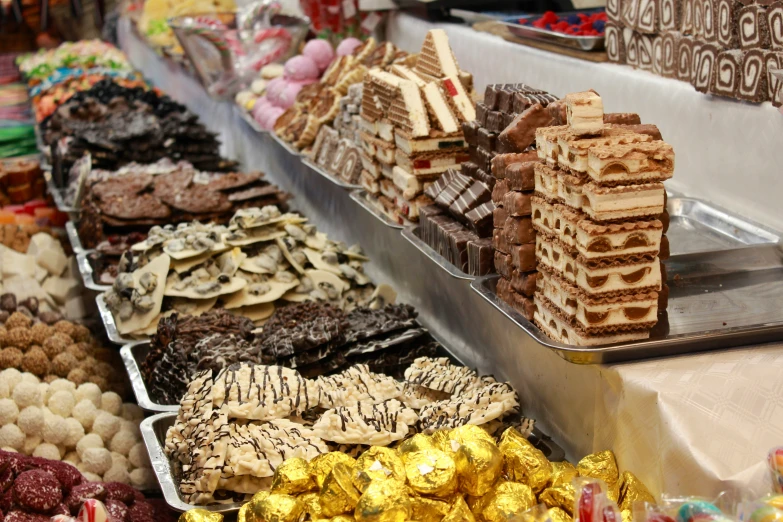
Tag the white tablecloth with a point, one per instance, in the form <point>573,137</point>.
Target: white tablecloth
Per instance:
<point>695,424</point>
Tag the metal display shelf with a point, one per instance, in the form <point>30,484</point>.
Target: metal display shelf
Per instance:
<point>412,235</point>
<point>331,177</point>
<point>360,196</point>
<point>87,272</point>
<point>133,355</point>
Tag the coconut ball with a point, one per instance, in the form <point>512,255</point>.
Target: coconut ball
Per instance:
<point>117,473</point>
<point>41,332</point>
<point>143,478</point>
<point>48,379</point>
<point>77,376</point>
<point>131,426</point>
<point>106,425</point>
<point>29,377</point>
<point>81,334</point>
<point>35,361</point>
<point>101,382</point>
<point>75,432</point>
<point>60,385</point>
<point>47,451</point>
<point>132,412</point>
<point>112,403</point>
<point>66,327</point>
<point>88,364</point>
<point>56,344</point>
<point>55,429</point>
<point>90,392</point>
<point>64,363</point>
<point>8,449</point>
<point>12,437</point>
<point>138,456</point>
<point>91,440</point>
<point>12,376</point>
<point>77,351</point>
<point>30,443</point>
<point>5,390</point>
<point>18,320</point>
<point>96,460</point>
<point>90,477</point>
<point>62,449</point>
<point>8,411</point>
<point>85,412</point>
<point>31,420</point>
<point>11,357</point>
<point>71,457</point>
<point>122,442</point>
<point>19,338</point>
<point>27,394</point>
<point>120,460</point>
<point>62,403</point>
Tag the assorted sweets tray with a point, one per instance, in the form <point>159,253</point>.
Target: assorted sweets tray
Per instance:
<point>133,355</point>
<point>574,34</point>
<point>360,196</point>
<point>334,179</point>
<point>87,271</point>
<point>413,235</point>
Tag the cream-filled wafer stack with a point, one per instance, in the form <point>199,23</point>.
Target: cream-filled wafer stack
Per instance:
<point>410,123</point>
<point>599,211</point>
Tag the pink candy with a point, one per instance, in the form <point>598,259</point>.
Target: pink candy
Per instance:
<point>274,89</point>
<point>92,511</point>
<point>321,53</point>
<point>269,117</point>
<point>301,68</point>
<point>348,46</point>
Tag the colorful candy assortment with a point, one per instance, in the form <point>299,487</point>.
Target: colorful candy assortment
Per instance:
<point>576,24</point>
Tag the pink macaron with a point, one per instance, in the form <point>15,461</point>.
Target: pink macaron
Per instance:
<point>288,96</point>
<point>320,51</point>
<point>348,46</point>
<point>301,68</point>
<point>269,117</point>
<point>274,89</point>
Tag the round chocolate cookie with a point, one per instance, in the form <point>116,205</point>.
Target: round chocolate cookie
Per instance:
<point>135,207</point>
<point>172,183</point>
<point>121,186</point>
<point>198,199</point>
<point>234,180</point>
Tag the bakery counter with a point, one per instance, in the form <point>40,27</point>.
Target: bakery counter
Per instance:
<point>697,424</point>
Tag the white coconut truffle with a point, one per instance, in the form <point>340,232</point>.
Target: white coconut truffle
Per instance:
<point>5,389</point>
<point>72,457</point>
<point>12,376</point>
<point>90,477</point>
<point>9,449</point>
<point>138,456</point>
<point>118,459</point>
<point>55,429</point>
<point>85,412</point>
<point>132,412</point>
<point>11,436</point>
<point>61,403</point>
<point>96,460</point>
<point>9,411</point>
<point>30,443</point>
<point>106,425</point>
<point>117,473</point>
<point>29,377</point>
<point>131,426</point>
<point>47,451</point>
<point>90,440</point>
<point>31,420</point>
<point>75,432</point>
<point>27,394</point>
<point>60,385</point>
<point>143,478</point>
<point>112,403</point>
<point>122,442</point>
<point>44,390</point>
<point>89,391</point>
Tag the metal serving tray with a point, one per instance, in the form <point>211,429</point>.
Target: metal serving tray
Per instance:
<point>360,196</point>
<point>412,235</point>
<point>583,43</point>
<point>87,272</point>
<point>57,194</point>
<point>109,324</point>
<point>252,123</point>
<point>725,280</point>
<point>133,356</point>
<point>287,146</point>
<point>73,237</point>
<point>334,179</point>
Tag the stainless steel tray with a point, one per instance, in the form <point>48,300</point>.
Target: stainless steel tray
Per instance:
<point>57,195</point>
<point>108,323</point>
<point>87,273</point>
<point>252,123</point>
<point>583,43</point>
<point>412,235</point>
<point>360,196</point>
<point>133,355</point>
<point>73,237</point>
<point>287,146</point>
<point>334,179</point>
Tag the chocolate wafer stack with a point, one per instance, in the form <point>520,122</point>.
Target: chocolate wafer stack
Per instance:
<point>411,131</point>
<point>599,214</point>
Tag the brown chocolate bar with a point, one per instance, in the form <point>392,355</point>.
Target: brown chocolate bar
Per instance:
<point>499,192</point>
<point>517,203</point>
<point>521,176</point>
<point>481,114</point>
<point>499,241</point>
<point>480,259</point>
<point>622,118</point>
<point>519,230</point>
<point>503,265</point>
<point>480,219</point>
<point>645,128</point>
<point>522,131</point>
<point>484,158</point>
<point>523,257</point>
<point>522,304</point>
<point>499,216</point>
<point>524,282</point>
<point>494,121</point>
<point>559,112</point>
<point>470,130</point>
<point>486,139</point>
<point>501,161</point>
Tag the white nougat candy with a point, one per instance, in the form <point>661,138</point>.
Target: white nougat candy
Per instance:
<point>585,112</point>
<point>61,289</point>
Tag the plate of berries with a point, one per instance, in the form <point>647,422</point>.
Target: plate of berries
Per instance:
<point>582,30</point>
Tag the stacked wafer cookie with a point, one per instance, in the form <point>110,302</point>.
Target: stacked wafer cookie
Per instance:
<point>411,133</point>
<point>599,214</point>
<point>337,149</point>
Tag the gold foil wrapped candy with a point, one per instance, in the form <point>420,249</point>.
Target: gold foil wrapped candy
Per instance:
<point>560,497</point>
<point>428,509</point>
<point>242,513</point>
<point>384,501</point>
<point>459,512</point>
<point>562,473</point>
<point>277,507</point>
<point>556,514</point>
<point>321,465</point>
<point>470,432</point>
<point>601,466</point>
<point>508,500</point>
<point>418,442</point>
<point>253,507</point>
<point>523,462</point>
<point>377,463</point>
<point>479,464</point>
<point>338,495</point>
<point>312,505</point>
<point>431,472</point>
<point>441,440</point>
<point>200,515</point>
<point>292,477</point>
<point>633,490</point>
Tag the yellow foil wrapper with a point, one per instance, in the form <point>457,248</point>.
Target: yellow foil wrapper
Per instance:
<point>312,505</point>
<point>242,513</point>
<point>502,506</point>
<point>562,473</point>
<point>601,466</point>
<point>441,440</point>
<point>558,515</point>
<point>470,432</point>
<point>428,509</point>
<point>459,512</point>
<point>561,497</point>
<point>633,490</point>
<point>321,465</point>
<point>523,462</point>
<point>281,508</point>
<point>200,515</point>
<point>342,518</point>
<point>338,495</point>
<point>377,463</point>
<point>418,442</point>
<point>626,515</point>
<point>253,507</point>
<point>292,477</point>
<point>384,501</point>
<point>479,464</point>
<point>431,472</point>
<point>522,491</point>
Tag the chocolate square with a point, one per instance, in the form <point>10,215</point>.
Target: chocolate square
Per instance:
<point>503,264</point>
<point>484,158</point>
<point>485,178</point>
<point>615,46</point>
<point>486,139</point>
<point>480,220</point>
<point>491,96</point>
<point>523,257</point>
<point>459,248</point>
<point>470,130</point>
<point>480,259</point>
<point>495,121</point>
<point>499,216</point>
<point>499,192</point>
<point>521,133</point>
<point>474,195</point>
<point>499,241</point>
<point>481,114</point>
<point>453,190</point>
<point>521,176</point>
<point>469,169</point>
<point>524,282</point>
<point>519,230</point>
<point>517,203</point>
<point>434,190</point>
